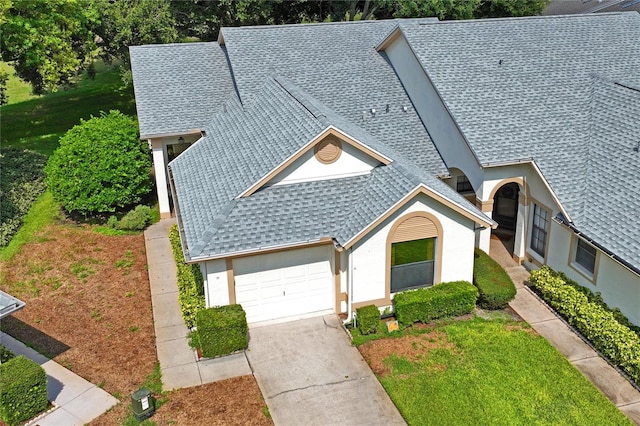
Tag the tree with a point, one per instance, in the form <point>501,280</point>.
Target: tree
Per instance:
<point>49,41</point>
<point>100,166</point>
<point>4,76</point>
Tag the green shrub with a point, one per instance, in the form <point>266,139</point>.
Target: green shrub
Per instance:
<point>441,300</point>
<point>222,330</point>
<point>367,319</point>
<point>23,181</point>
<point>617,342</point>
<point>495,287</point>
<point>23,390</point>
<point>136,220</point>
<point>190,281</point>
<point>5,354</point>
<point>100,166</point>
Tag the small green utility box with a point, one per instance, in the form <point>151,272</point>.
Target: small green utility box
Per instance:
<point>143,404</point>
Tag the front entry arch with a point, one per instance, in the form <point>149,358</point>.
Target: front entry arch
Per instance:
<point>509,211</point>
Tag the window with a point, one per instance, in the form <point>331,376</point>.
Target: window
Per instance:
<point>412,264</point>
<point>463,184</point>
<point>539,230</point>
<point>586,256</point>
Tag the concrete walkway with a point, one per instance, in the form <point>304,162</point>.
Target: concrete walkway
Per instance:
<point>581,355</point>
<point>77,401</point>
<point>310,374</point>
<point>178,362</point>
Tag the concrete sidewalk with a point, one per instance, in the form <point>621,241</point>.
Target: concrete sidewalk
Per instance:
<point>77,400</point>
<point>580,354</point>
<point>178,362</point>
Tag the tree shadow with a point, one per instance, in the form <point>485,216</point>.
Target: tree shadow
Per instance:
<point>32,337</point>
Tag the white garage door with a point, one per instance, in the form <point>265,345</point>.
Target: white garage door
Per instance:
<point>284,284</point>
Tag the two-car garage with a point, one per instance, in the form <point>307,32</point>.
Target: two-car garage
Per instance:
<point>285,284</point>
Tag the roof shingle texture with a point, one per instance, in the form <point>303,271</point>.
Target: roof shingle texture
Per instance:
<point>178,86</point>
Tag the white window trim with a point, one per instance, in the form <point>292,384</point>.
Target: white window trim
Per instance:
<point>530,251</point>
<point>591,276</point>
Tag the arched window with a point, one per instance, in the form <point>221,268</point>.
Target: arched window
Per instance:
<point>413,252</point>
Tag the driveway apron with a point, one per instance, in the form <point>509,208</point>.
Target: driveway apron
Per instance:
<point>309,374</point>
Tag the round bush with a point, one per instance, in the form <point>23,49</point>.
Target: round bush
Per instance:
<point>100,166</point>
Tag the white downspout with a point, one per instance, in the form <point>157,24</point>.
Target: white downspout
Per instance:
<point>350,287</point>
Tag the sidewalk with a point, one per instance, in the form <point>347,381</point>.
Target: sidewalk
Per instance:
<point>606,378</point>
<point>77,400</point>
<point>177,360</point>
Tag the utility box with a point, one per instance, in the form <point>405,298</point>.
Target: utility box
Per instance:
<point>143,404</point>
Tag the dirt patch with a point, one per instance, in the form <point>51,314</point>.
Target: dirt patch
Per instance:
<point>529,330</point>
<point>88,304</point>
<point>411,347</point>
<point>236,401</point>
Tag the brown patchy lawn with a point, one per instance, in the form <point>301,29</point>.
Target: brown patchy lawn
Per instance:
<point>89,308</point>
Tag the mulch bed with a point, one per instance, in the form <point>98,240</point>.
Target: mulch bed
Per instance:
<point>89,308</point>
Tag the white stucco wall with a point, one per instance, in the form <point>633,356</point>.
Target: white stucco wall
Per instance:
<point>618,286</point>
<point>369,254</point>
<point>216,287</point>
<point>307,168</point>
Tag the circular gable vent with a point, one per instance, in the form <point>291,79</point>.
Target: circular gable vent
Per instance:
<point>328,151</point>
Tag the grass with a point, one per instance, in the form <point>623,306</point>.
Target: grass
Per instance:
<point>18,90</point>
<point>38,123</point>
<point>490,372</point>
<point>42,212</point>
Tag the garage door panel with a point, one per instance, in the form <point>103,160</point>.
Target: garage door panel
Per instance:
<point>297,282</point>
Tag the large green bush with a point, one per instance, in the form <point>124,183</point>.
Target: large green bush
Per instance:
<point>495,287</point>
<point>616,341</point>
<point>441,300</point>
<point>23,390</point>
<point>368,318</point>
<point>222,330</point>
<point>190,281</point>
<point>100,166</point>
<point>21,184</point>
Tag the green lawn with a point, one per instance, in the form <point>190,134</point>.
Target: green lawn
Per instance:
<point>18,90</point>
<point>490,372</point>
<point>38,123</point>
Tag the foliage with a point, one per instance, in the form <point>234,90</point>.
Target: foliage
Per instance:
<point>48,40</point>
<point>100,166</point>
<point>368,318</point>
<point>495,287</point>
<point>21,184</point>
<point>127,23</point>
<point>490,373</point>
<point>4,77</point>
<point>596,323</point>
<point>222,330</point>
<point>135,220</point>
<point>5,354</point>
<point>23,390</point>
<point>190,281</point>
<point>441,300</point>
<point>458,9</point>
<point>43,212</point>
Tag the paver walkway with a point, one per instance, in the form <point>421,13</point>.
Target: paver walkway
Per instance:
<point>78,401</point>
<point>177,360</point>
<point>580,354</point>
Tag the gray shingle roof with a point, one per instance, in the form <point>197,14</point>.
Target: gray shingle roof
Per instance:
<point>178,86</point>
<point>520,88</point>
<point>610,212</point>
<point>244,145</point>
<point>337,64</point>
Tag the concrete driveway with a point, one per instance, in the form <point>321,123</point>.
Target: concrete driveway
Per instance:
<point>310,374</point>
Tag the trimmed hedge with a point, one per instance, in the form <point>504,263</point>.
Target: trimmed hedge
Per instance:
<point>368,318</point>
<point>441,300</point>
<point>135,220</point>
<point>5,354</point>
<point>190,282</point>
<point>616,341</point>
<point>222,330</point>
<point>495,287</point>
<point>23,390</point>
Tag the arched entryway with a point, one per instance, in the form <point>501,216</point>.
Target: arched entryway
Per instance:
<point>505,213</point>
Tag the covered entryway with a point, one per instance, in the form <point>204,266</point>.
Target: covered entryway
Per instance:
<point>285,284</point>
<point>505,212</point>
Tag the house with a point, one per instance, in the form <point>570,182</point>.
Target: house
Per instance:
<point>324,167</point>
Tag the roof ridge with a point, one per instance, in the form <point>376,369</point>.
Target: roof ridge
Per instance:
<point>299,95</point>
<point>525,18</point>
<point>213,228</point>
<point>315,24</point>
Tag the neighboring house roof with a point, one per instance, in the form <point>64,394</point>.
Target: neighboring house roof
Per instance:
<point>570,7</point>
<point>178,86</point>
<point>337,64</point>
<point>522,89</point>
<point>244,144</point>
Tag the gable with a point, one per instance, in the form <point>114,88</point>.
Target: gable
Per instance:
<point>331,154</point>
